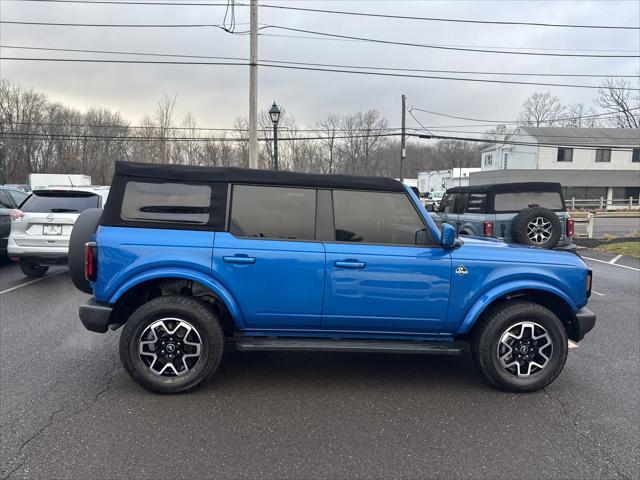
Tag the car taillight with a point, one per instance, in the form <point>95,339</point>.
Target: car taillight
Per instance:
<point>488,229</point>
<point>16,215</point>
<point>571,229</point>
<point>90,261</point>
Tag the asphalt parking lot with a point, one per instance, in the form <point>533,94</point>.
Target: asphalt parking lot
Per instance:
<point>68,409</point>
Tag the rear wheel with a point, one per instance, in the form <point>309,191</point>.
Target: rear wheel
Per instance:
<point>33,270</point>
<point>171,344</point>
<point>520,346</point>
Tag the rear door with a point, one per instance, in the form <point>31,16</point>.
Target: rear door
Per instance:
<point>269,258</point>
<point>383,272</point>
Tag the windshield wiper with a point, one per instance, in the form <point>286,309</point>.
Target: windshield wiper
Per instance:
<point>63,210</point>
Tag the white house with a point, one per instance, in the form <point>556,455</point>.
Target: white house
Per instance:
<point>588,162</point>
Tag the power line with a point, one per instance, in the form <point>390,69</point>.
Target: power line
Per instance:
<point>580,146</point>
<point>452,20</point>
<point>352,13</point>
<point>596,115</point>
<point>442,47</point>
<point>313,69</point>
<point>332,65</point>
<point>70,136</point>
<point>315,32</point>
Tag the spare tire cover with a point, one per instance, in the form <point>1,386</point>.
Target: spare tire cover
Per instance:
<point>83,230</point>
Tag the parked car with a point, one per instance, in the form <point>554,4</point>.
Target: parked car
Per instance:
<point>194,260</point>
<point>10,198</point>
<point>531,213</point>
<point>40,228</point>
<point>432,200</point>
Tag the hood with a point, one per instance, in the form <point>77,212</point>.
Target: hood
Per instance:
<point>492,249</point>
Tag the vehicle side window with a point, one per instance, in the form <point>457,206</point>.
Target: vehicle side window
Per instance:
<point>376,217</point>
<point>476,202</point>
<point>516,201</point>
<point>166,202</point>
<point>273,212</point>
<point>4,200</point>
<point>453,203</point>
<point>18,197</point>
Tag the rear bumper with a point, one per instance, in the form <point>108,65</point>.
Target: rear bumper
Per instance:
<point>48,254</point>
<point>40,258</point>
<point>585,321</point>
<point>96,316</point>
<point>572,247</point>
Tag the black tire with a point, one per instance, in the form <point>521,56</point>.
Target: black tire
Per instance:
<point>201,318</point>
<point>83,229</point>
<point>521,225</point>
<point>486,340</point>
<point>33,270</point>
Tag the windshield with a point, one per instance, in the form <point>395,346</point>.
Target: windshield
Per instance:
<point>60,202</point>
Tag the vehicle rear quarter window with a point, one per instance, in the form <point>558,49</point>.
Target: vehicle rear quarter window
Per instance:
<point>476,202</point>
<point>60,202</point>
<point>516,201</point>
<point>375,217</point>
<point>166,203</point>
<point>453,203</point>
<point>273,212</point>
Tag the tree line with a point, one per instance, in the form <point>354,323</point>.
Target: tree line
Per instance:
<point>43,136</point>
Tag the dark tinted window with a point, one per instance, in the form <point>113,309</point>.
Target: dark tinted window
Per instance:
<point>273,212</point>
<point>635,156</point>
<point>5,201</point>
<point>475,202</point>
<point>453,203</point>
<point>166,202</point>
<point>60,202</point>
<point>17,195</point>
<point>603,155</point>
<point>565,154</point>
<point>375,217</point>
<point>516,201</point>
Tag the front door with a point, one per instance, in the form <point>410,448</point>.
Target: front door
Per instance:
<point>269,260</point>
<point>378,279</point>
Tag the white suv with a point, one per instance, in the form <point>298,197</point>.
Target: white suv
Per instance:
<point>40,228</point>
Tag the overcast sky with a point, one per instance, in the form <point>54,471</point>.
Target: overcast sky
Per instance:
<point>217,95</point>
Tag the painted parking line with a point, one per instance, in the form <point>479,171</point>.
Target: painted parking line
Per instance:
<point>573,344</point>
<point>615,259</point>
<point>613,264</point>
<point>31,282</point>
<point>597,293</point>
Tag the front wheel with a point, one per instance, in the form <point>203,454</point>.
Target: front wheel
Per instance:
<point>171,344</point>
<point>33,270</point>
<point>520,346</point>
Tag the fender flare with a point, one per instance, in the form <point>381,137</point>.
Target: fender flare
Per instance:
<point>195,276</point>
<point>510,287</point>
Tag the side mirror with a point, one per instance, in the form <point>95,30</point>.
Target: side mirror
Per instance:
<point>447,235</point>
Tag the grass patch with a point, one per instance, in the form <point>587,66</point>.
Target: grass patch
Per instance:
<point>627,248</point>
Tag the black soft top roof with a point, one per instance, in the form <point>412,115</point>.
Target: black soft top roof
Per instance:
<point>509,187</point>
<point>245,175</point>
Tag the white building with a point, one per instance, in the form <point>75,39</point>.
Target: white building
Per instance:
<point>437,180</point>
<point>588,162</point>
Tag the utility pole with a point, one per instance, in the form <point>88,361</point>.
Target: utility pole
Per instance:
<point>253,86</point>
<point>403,149</point>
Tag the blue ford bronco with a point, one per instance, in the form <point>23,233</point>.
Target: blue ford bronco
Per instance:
<point>191,261</point>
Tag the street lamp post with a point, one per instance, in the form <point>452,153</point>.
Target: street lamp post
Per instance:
<point>274,113</point>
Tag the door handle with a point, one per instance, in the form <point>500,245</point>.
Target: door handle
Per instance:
<point>239,259</point>
<point>350,264</point>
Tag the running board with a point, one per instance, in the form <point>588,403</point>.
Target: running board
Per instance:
<point>332,345</point>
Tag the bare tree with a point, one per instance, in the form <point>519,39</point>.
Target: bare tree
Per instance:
<point>615,97</point>
<point>580,116</point>
<point>541,110</point>
<point>328,127</point>
<point>163,117</point>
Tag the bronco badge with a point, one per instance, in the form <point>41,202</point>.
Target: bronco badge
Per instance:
<point>461,270</point>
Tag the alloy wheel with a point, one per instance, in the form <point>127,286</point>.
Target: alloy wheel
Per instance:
<point>524,349</point>
<point>170,347</point>
<point>539,230</point>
